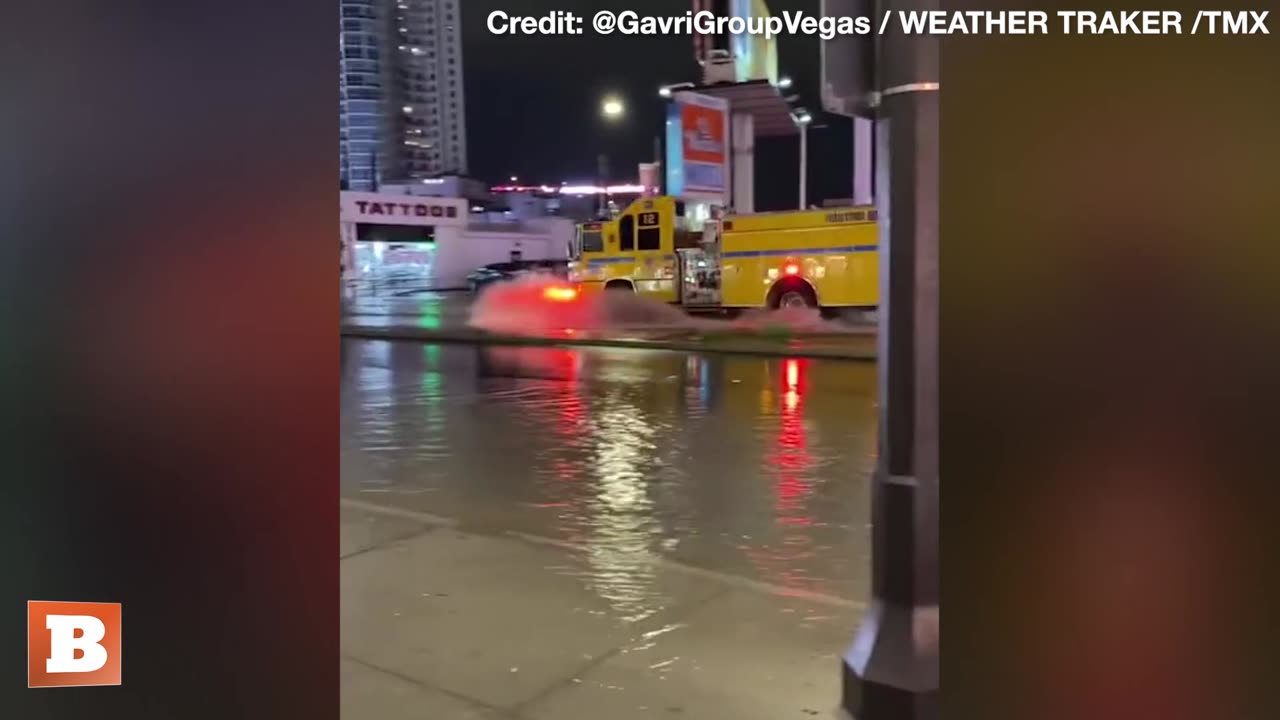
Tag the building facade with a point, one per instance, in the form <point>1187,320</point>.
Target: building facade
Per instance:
<point>402,111</point>
<point>395,244</point>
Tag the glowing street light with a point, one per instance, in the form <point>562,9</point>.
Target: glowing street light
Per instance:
<point>612,107</point>
<point>665,91</point>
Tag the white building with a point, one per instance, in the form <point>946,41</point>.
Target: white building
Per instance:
<point>397,243</point>
<point>401,114</point>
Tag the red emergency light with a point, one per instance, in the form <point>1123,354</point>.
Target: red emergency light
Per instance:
<point>791,269</point>
<point>559,293</point>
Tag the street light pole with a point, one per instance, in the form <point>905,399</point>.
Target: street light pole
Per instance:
<point>891,672</point>
<point>602,169</point>
<point>802,119</point>
<point>612,109</point>
<point>804,164</point>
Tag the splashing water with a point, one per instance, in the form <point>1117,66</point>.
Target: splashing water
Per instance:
<point>540,306</point>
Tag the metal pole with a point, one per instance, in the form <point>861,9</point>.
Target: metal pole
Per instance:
<point>603,170</point>
<point>804,164</point>
<point>862,155</point>
<point>891,672</point>
<point>658,160</point>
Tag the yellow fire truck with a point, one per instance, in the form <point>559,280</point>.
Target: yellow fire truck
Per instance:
<point>818,258</point>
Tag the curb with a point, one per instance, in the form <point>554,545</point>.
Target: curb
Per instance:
<point>473,336</point>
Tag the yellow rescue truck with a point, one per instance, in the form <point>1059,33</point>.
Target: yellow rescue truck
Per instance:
<point>818,258</point>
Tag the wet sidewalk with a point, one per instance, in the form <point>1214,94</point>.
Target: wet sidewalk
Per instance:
<point>534,533</point>
<point>439,622</point>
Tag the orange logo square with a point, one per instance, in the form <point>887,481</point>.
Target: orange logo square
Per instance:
<point>73,644</point>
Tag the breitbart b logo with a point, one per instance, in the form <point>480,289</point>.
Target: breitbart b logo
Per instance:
<point>72,644</point>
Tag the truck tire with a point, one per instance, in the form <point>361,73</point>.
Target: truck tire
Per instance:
<point>792,293</point>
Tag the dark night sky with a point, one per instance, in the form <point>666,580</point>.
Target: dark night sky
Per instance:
<point>533,102</point>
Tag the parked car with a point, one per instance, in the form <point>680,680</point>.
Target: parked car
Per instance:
<point>482,277</point>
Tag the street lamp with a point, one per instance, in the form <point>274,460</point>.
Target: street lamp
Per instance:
<point>666,91</point>
<point>802,119</point>
<point>612,108</point>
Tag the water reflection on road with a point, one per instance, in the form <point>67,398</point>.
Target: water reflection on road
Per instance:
<point>755,467</point>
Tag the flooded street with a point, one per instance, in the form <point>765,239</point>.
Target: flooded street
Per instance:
<point>752,466</point>
<point>539,533</point>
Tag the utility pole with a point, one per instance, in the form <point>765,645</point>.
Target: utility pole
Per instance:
<point>891,672</point>
<point>804,164</point>
<point>603,170</point>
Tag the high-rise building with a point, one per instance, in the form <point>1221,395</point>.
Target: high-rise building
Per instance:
<point>402,114</point>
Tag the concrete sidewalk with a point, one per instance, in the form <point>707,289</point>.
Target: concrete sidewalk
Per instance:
<point>443,623</point>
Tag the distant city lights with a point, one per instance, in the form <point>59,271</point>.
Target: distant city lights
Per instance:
<point>632,189</point>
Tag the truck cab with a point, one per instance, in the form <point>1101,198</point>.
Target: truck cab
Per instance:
<point>636,251</point>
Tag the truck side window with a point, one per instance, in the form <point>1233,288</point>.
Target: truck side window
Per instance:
<point>627,233</point>
<point>592,241</point>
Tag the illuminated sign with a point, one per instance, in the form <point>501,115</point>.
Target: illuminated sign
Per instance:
<point>399,209</point>
<point>417,209</point>
<point>755,56</point>
<point>697,146</point>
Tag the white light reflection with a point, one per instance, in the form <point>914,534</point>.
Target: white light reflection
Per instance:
<point>376,426</point>
<point>621,563</point>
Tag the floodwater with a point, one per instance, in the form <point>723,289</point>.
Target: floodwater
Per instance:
<point>750,467</point>
<point>539,305</point>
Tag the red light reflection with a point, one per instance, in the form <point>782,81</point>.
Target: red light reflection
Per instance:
<point>791,454</point>
<point>781,561</point>
<point>560,495</point>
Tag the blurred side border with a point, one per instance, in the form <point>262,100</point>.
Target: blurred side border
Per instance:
<point>1109,341</point>
<point>168,201</point>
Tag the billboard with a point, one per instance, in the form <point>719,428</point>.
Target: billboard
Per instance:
<point>751,57</point>
<point>755,57</point>
<point>698,147</point>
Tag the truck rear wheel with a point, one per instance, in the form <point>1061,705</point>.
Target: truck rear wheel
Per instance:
<point>794,293</point>
<point>619,286</point>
